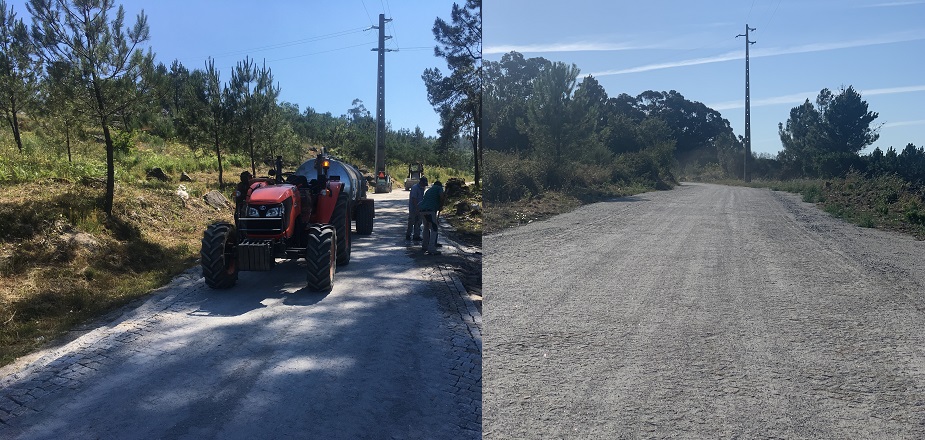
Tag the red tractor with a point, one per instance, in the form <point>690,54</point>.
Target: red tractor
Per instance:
<point>303,214</point>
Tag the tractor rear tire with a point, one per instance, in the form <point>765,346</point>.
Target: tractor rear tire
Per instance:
<point>321,258</point>
<point>364,216</point>
<point>341,222</point>
<point>219,256</point>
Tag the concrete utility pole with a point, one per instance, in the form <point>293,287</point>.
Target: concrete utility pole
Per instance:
<point>748,124</point>
<point>383,184</point>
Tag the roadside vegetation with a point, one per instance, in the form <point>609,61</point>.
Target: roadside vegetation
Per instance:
<point>97,134</point>
<point>821,160</point>
<point>555,142</point>
<point>884,202</point>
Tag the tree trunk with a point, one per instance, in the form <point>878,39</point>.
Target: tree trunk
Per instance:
<point>478,133</point>
<point>110,170</point>
<point>16,133</point>
<point>250,145</point>
<point>67,140</point>
<point>14,125</point>
<point>110,159</point>
<point>475,151</point>
<point>218,153</point>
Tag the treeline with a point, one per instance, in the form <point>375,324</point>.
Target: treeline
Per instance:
<point>823,139</point>
<point>78,71</point>
<point>547,131</point>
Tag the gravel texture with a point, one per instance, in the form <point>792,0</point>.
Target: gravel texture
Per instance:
<point>703,312</point>
<point>393,351</point>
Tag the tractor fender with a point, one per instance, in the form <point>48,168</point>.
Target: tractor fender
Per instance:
<point>327,200</point>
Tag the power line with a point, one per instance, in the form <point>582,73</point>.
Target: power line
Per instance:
<point>315,53</point>
<point>388,10</point>
<point>772,14</point>
<point>749,15</point>
<point>370,18</point>
<point>291,43</point>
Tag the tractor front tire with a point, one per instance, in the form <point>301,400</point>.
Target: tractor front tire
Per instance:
<point>321,258</point>
<point>219,256</point>
<point>364,216</point>
<point>341,222</point>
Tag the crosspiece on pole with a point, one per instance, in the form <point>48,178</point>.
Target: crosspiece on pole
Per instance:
<point>748,128</point>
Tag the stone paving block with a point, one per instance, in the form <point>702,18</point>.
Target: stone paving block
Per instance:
<point>7,405</point>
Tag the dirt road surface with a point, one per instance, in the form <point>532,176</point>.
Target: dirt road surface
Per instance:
<point>393,351</point>
<point>703,312</point>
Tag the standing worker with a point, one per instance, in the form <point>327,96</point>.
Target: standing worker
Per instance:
<point>431,204</point>
<point>414,211</point>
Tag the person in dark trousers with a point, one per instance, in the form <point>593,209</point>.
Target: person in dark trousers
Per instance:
<point>431,204</point>
<point>414,211</point>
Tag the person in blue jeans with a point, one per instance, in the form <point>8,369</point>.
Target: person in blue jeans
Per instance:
<point>431,204</point>
<point>414,211</point>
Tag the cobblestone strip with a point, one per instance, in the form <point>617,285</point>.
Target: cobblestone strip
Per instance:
<point>22,389</point>
<point>463,318</point>
<point>465,368</point>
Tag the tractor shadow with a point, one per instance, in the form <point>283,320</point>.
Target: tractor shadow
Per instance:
<point>287,286</point>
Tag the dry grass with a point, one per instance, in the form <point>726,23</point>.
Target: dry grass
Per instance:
<point>503,215</point>
<point>63,262</point>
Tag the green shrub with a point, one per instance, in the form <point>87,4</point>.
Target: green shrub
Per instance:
<point>509,177</point>
<point>812,194</point>
<point>913,213</point>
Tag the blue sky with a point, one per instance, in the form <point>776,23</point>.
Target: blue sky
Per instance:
<point>877,46</point>
<point>318,50</point>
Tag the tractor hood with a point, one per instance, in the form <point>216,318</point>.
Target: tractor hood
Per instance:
<point>270,194</point>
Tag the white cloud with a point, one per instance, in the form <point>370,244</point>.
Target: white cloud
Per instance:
<point>798,98</point>
<point>762,52</point>
<point>582,46</point>
<point>892,4</point>
<point>793,98</point>
<point>729,56</point>
<point>892,90</point>
<point>904,123</point>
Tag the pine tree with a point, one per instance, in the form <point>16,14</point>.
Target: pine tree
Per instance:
<point>105,55</point>
<point>19,69</point>
<point>458,97</point>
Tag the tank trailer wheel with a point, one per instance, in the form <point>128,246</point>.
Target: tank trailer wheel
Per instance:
<point>364,216</point>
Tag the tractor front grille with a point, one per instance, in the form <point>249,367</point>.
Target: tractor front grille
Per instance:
<point>261,226</point>
<point>255,255</point>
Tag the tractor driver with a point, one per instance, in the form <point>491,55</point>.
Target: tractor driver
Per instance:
<point>240,195</point>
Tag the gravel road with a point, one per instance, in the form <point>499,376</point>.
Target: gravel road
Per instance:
<point>393,351</point>
<point>703,312</point>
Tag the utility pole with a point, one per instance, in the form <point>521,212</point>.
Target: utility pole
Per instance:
<point>748,124</point>
<point>383,180</point>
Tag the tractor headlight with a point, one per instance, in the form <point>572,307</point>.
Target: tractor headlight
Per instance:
<point>276,211</point>
<point>252,212</point>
